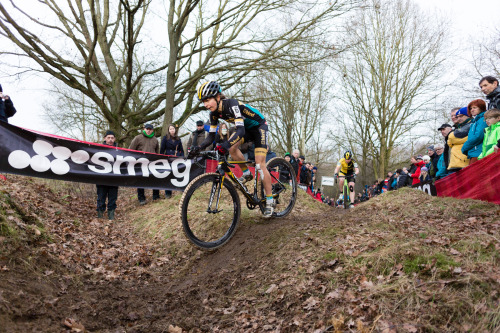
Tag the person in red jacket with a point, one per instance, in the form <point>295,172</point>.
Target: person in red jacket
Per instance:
<point>418,163</point>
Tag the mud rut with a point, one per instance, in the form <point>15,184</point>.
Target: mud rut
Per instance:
<point>186,294</point>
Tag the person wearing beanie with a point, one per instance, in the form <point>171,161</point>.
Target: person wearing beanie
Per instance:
<point>146,142</point>
<point>431,151</point>
<point>474,144</point>
<point>427,161</point>
<point>456,140</point>
<point>197,136</point>
<point>104,191</point>
<point>462,118</point>
<point>424,175</point>
<point>286,176</point>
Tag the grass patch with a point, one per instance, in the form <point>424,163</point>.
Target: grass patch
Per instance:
<point>425,263</point>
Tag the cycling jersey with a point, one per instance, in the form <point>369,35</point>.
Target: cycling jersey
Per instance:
<point>346,168</point>
<point>250,125</point>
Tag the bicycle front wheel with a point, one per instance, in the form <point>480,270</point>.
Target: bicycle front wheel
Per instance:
<point>284,186</point>
<point>210,213</point>
<point>346,194</point>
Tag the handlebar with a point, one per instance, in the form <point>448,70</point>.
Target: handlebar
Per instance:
<point>214,155</point>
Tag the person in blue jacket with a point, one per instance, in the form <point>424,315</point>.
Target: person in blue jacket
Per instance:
<point>171,145</point>
<point>474,144</point>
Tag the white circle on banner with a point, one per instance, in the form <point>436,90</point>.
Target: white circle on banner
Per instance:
<point>19,159</point>
<point>40,163</point>
<point>59,167</point>
<point>80,156</point>
<point>42,148</point>
<point>61,152</point>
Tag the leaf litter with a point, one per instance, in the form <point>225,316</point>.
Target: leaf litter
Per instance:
<point>385,267</point>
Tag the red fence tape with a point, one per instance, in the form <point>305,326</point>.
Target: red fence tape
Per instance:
<point>480,181</point>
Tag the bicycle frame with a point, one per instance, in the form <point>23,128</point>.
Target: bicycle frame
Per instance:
<point>346,186</point>
<point>223,168</point>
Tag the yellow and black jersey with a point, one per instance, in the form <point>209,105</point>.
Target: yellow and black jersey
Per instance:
<point>347,168</point>
<point>246,119</point>
<point>233,111</point>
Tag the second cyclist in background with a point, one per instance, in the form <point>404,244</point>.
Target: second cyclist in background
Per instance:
<point>347,168</point>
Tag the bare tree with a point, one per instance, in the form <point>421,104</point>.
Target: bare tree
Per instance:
<point>389,76</point>
<point>97,50</point>
<point>295,103</point>
<point>236,40</point>
<point>92,48</point>
<point>486,55</point>
<point>74,115</point>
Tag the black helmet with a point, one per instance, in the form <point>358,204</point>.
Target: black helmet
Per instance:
<point>348,155</point>
<point>208,89</point>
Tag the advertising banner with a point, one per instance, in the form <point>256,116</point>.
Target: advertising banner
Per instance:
<point>35,154</point>
<point>327,181</point>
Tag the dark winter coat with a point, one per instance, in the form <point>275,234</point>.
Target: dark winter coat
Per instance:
<point>171,147</point>
<point>295,164</point>
<point>7,109</point>
<point>402,180</point>
<point>494,99</point>
<point>425,179</point>
<point>305,176</point>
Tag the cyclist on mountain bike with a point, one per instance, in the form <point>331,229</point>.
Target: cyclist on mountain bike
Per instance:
<point>347,168</point>
<point>250,126</point>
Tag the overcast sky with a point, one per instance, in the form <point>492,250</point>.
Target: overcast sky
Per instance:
<point>469,19</point>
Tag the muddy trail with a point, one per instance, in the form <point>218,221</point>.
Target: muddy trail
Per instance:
<point>402,262</point>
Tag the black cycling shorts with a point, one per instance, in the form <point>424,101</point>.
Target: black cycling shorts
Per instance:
<point>350,177</point>
<point>258,135</point>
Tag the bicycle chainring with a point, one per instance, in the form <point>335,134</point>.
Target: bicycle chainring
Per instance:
<point>251,205</point>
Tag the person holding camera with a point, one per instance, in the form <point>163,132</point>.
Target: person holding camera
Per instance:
<point>7,108</point>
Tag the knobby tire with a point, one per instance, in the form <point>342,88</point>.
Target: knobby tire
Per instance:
<point>209,231</point>
<point>346,194</point>
<point>286,200</point>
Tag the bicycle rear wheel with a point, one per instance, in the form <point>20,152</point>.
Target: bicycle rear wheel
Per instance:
<point>346,194</point>
<point>206,224</point>
<point>284,184</point>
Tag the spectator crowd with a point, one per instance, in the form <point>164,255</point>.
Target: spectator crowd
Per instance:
<point>472,134</point>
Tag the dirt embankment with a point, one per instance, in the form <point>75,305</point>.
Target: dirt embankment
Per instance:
<point>402,262</point>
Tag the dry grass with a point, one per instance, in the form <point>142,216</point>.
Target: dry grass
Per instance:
<point>403,261</point>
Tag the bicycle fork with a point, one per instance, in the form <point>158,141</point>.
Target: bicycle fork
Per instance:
<point>215,193</point>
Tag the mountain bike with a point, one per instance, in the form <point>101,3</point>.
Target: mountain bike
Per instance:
<point>346,192</point>
<point>210,207</point>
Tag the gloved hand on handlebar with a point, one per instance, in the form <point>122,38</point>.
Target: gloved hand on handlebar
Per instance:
<point>221,150</point>
<point>193,151</point>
